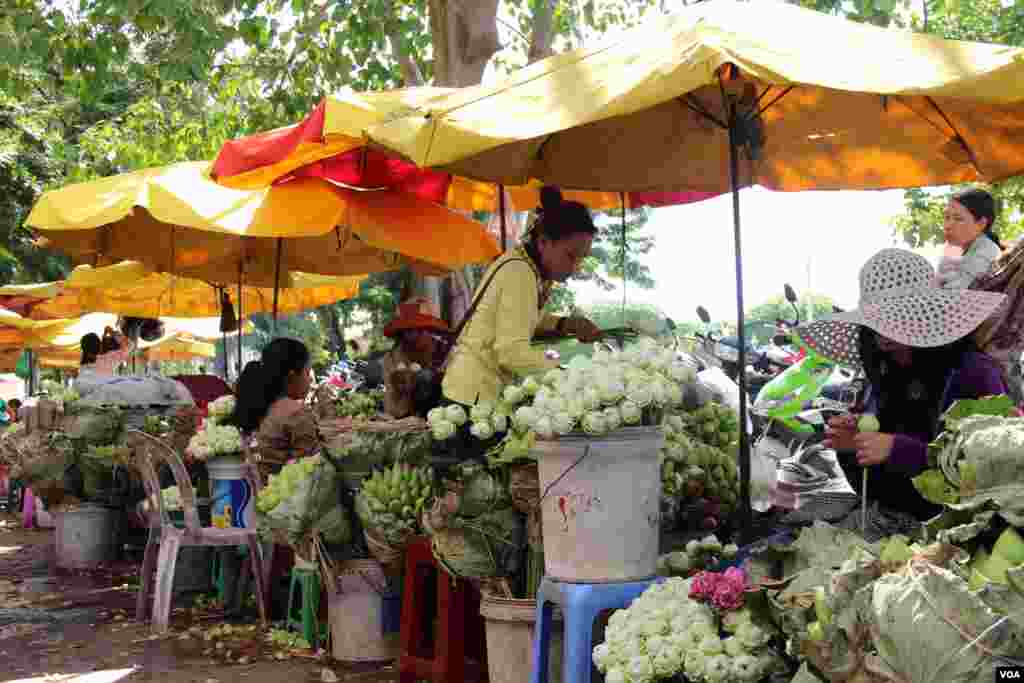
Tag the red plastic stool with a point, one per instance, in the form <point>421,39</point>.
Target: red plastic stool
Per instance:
<point>459,635</point>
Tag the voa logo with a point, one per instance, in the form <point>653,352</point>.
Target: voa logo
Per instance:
<point>1011,675</point>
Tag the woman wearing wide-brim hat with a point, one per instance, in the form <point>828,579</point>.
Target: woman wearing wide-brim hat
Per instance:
<point>913,341</point>
<point>409,369</point>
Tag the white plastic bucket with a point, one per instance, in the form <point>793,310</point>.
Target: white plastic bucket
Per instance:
<point>356,613</point>
<point>510,626</point>
<point>231,503</point>
<point>86,536</point>
<point>600,506</point>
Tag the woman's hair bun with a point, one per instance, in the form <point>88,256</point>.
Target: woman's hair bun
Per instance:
<point>550,198</point>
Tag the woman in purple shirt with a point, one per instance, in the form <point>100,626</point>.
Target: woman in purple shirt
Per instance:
<point>913,341</point>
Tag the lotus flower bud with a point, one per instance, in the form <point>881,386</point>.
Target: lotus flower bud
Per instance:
<point>544,428</point>
<point>524,418</point>
<point>482,430</point>
<point>455,414</point>
<point>513,395</point>
<point>481,411</point>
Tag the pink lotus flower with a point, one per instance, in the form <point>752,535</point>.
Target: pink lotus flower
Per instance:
<point>723,590</point>
<point>702,585</point>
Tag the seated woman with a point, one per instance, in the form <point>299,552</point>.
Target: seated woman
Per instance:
<point>971,242</point>
<point>97,381</point>
<point>912,340</point>
<point>270,404</point>
<point>409,368</point>
<point>103,356</point>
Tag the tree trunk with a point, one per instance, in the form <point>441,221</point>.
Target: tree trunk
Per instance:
<point>331,325</point>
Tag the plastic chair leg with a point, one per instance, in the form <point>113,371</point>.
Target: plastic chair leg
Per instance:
<point>164,589</point>
<point>257,574</point>
<point>542,641</point>
<point>576,659</point>
<point>28,510</point>
<point>146,579</point>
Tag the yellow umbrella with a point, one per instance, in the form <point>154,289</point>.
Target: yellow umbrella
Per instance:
<point>841,105</point>
<point>331,143</point>
<point>176,220</point>
<point>726,95</point>
<point>177,348</point>
<point>130,288</point>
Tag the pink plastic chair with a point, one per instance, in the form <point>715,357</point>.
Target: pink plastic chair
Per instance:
<point>28,510</point>
<point>163,534</point>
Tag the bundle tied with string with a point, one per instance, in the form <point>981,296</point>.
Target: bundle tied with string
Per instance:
<point>476,532</point>
<point>310,519</point>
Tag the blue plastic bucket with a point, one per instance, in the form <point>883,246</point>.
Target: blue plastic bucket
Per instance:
<point>231,497</point>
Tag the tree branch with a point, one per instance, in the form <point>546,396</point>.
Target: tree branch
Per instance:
<point>411,74</point>
<point>540,46</point>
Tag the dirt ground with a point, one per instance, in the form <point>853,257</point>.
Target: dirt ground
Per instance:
<point>78,626</point>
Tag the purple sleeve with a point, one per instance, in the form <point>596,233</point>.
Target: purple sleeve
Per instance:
<point>909,455</point>
<point>979,376</point>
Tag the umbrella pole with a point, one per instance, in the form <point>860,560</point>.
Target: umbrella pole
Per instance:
<point>277,279</point>
<point>734,181</point>
<point>501,211</point>
<point>241,318</point>
<point>622,198</point>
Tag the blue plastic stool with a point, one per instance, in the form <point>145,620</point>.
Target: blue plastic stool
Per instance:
<point>581,604</point>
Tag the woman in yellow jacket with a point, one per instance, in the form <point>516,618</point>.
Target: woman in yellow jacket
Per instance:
<point>494,346</point>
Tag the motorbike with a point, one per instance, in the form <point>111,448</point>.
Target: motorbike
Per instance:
<point>765,363</point>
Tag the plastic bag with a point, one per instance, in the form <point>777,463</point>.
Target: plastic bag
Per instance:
<point>715,385</point>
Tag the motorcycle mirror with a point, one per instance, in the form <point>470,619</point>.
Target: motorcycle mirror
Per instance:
<point>671,324</point>
<point>702,313</point>
<point>790,294</point>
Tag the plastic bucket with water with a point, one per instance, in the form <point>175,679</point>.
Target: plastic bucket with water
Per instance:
<point>231,497</point>
<point>86,536</point>
<point>600,505</point>
<point>359,614</point>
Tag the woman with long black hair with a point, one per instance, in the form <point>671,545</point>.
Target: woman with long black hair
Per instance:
<point>270,403</point>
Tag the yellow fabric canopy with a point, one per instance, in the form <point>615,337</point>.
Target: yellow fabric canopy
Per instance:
<point>177,348</point>
<point>130,288</point>
<point>843,106</point>
<point>174,219</point>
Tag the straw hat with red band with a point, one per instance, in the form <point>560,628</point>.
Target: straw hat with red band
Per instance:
<point>416,314</point>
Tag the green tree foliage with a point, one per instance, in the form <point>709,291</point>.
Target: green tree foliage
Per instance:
<point>95,87</point>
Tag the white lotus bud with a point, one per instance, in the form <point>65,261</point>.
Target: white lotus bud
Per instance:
<point>455,414</point>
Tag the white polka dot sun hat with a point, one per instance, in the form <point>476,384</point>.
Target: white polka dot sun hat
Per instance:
<point>899,301</point>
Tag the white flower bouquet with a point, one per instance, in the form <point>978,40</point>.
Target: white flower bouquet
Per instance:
<point>610,390</point>
<point>222,408</point>
<point>213,440</point>
<point>172,499</point>
<point>666,633</point>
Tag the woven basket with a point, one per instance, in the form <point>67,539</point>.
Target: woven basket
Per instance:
<point>388,555</point>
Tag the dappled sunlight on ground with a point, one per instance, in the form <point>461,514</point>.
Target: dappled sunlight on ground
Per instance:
<point>109,676</point>
<point>78,627</point>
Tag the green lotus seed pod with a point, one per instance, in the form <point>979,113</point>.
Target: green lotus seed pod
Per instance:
<point>868,423</point>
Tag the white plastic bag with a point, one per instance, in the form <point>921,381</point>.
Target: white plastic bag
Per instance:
<point>713,383</point>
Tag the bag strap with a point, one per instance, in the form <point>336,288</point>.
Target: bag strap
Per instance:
<point>480,295</point>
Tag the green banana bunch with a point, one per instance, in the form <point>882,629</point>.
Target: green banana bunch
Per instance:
<point>393,499</point>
